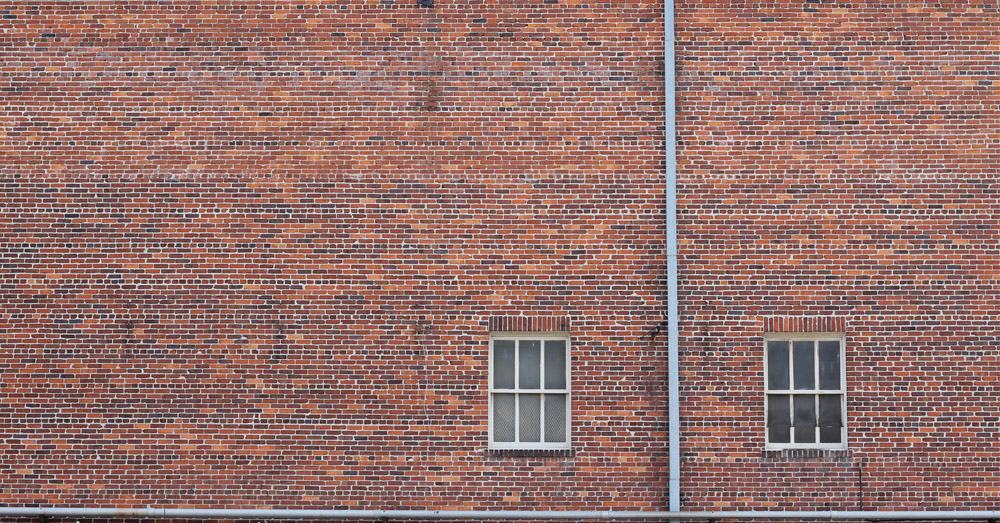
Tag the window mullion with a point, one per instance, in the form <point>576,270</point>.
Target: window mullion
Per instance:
<point>541,364</point>
<point>517,365</point>
<point>791,392</point>
<point>815,352</point>
<point>541,416</point>
<point>843,391</point>
<point>816,365</point>
<point>791,415</point>
<point>517,390</point>
<point>816,378</point>
<point>791,366</point>
<point>517,418</point>
<point>816,418</point>
<point>541,397</point>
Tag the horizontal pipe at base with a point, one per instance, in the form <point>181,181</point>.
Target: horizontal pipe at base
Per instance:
<point>467,515</point>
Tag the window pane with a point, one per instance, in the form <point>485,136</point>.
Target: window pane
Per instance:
<point>805,434</point>
<point>555,416</point>
<point>805,418</point>
<point>529,373</point>
<point>829,434</point>
<point>777,365</point>
<point>503,364</point>
<point>778,418</point>
<point>830,418</point>
<point>530,417</point>
<point>829,365</point>
<point>779,434</point>
<point>829,411</point>
<point>804,365</point>
<point>555,364</point>
<point>503,417</point>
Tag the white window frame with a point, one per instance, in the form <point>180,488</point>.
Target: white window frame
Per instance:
<point>815,338</point>
<point>531,445</point>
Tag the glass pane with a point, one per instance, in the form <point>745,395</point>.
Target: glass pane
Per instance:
<point>805,418</point>
<point>829,411</point>
<point>778,418</point>
<point>503,364</point>
<point>777,365</point>
<point>829,434</point>
<point>829,365</point>
<point>530,366</point>
<point>503,417</point>
<point>805,434</point>
<point>830,418</point>
<point>555,364</point>
<point>531,414</point>
<point>804,365</point>
<point>555,417</point>
<point>779,434</point>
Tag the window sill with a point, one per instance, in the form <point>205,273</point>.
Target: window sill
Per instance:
<point>530,453</point>
<point>826,454</point>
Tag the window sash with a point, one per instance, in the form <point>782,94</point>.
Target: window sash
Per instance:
<point>814,392</point>
<point>817,428</point>
<point>517,392</point>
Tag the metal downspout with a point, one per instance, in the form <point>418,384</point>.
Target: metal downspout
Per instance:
<point>670,142</point>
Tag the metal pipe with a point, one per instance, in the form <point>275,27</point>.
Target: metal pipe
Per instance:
<point>673,338</point>
<point>581,515</point>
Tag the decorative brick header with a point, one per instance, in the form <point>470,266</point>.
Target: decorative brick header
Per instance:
<point>805,324</point>
<point>529,324</point>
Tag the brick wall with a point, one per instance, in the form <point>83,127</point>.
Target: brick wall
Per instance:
<point>839,174</point>
<point>252,256</point>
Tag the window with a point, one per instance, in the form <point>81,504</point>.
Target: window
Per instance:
<point>805,392</point>
<point>529,392</point>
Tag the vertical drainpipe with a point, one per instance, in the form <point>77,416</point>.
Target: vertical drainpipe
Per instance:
<point>670,141</point>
